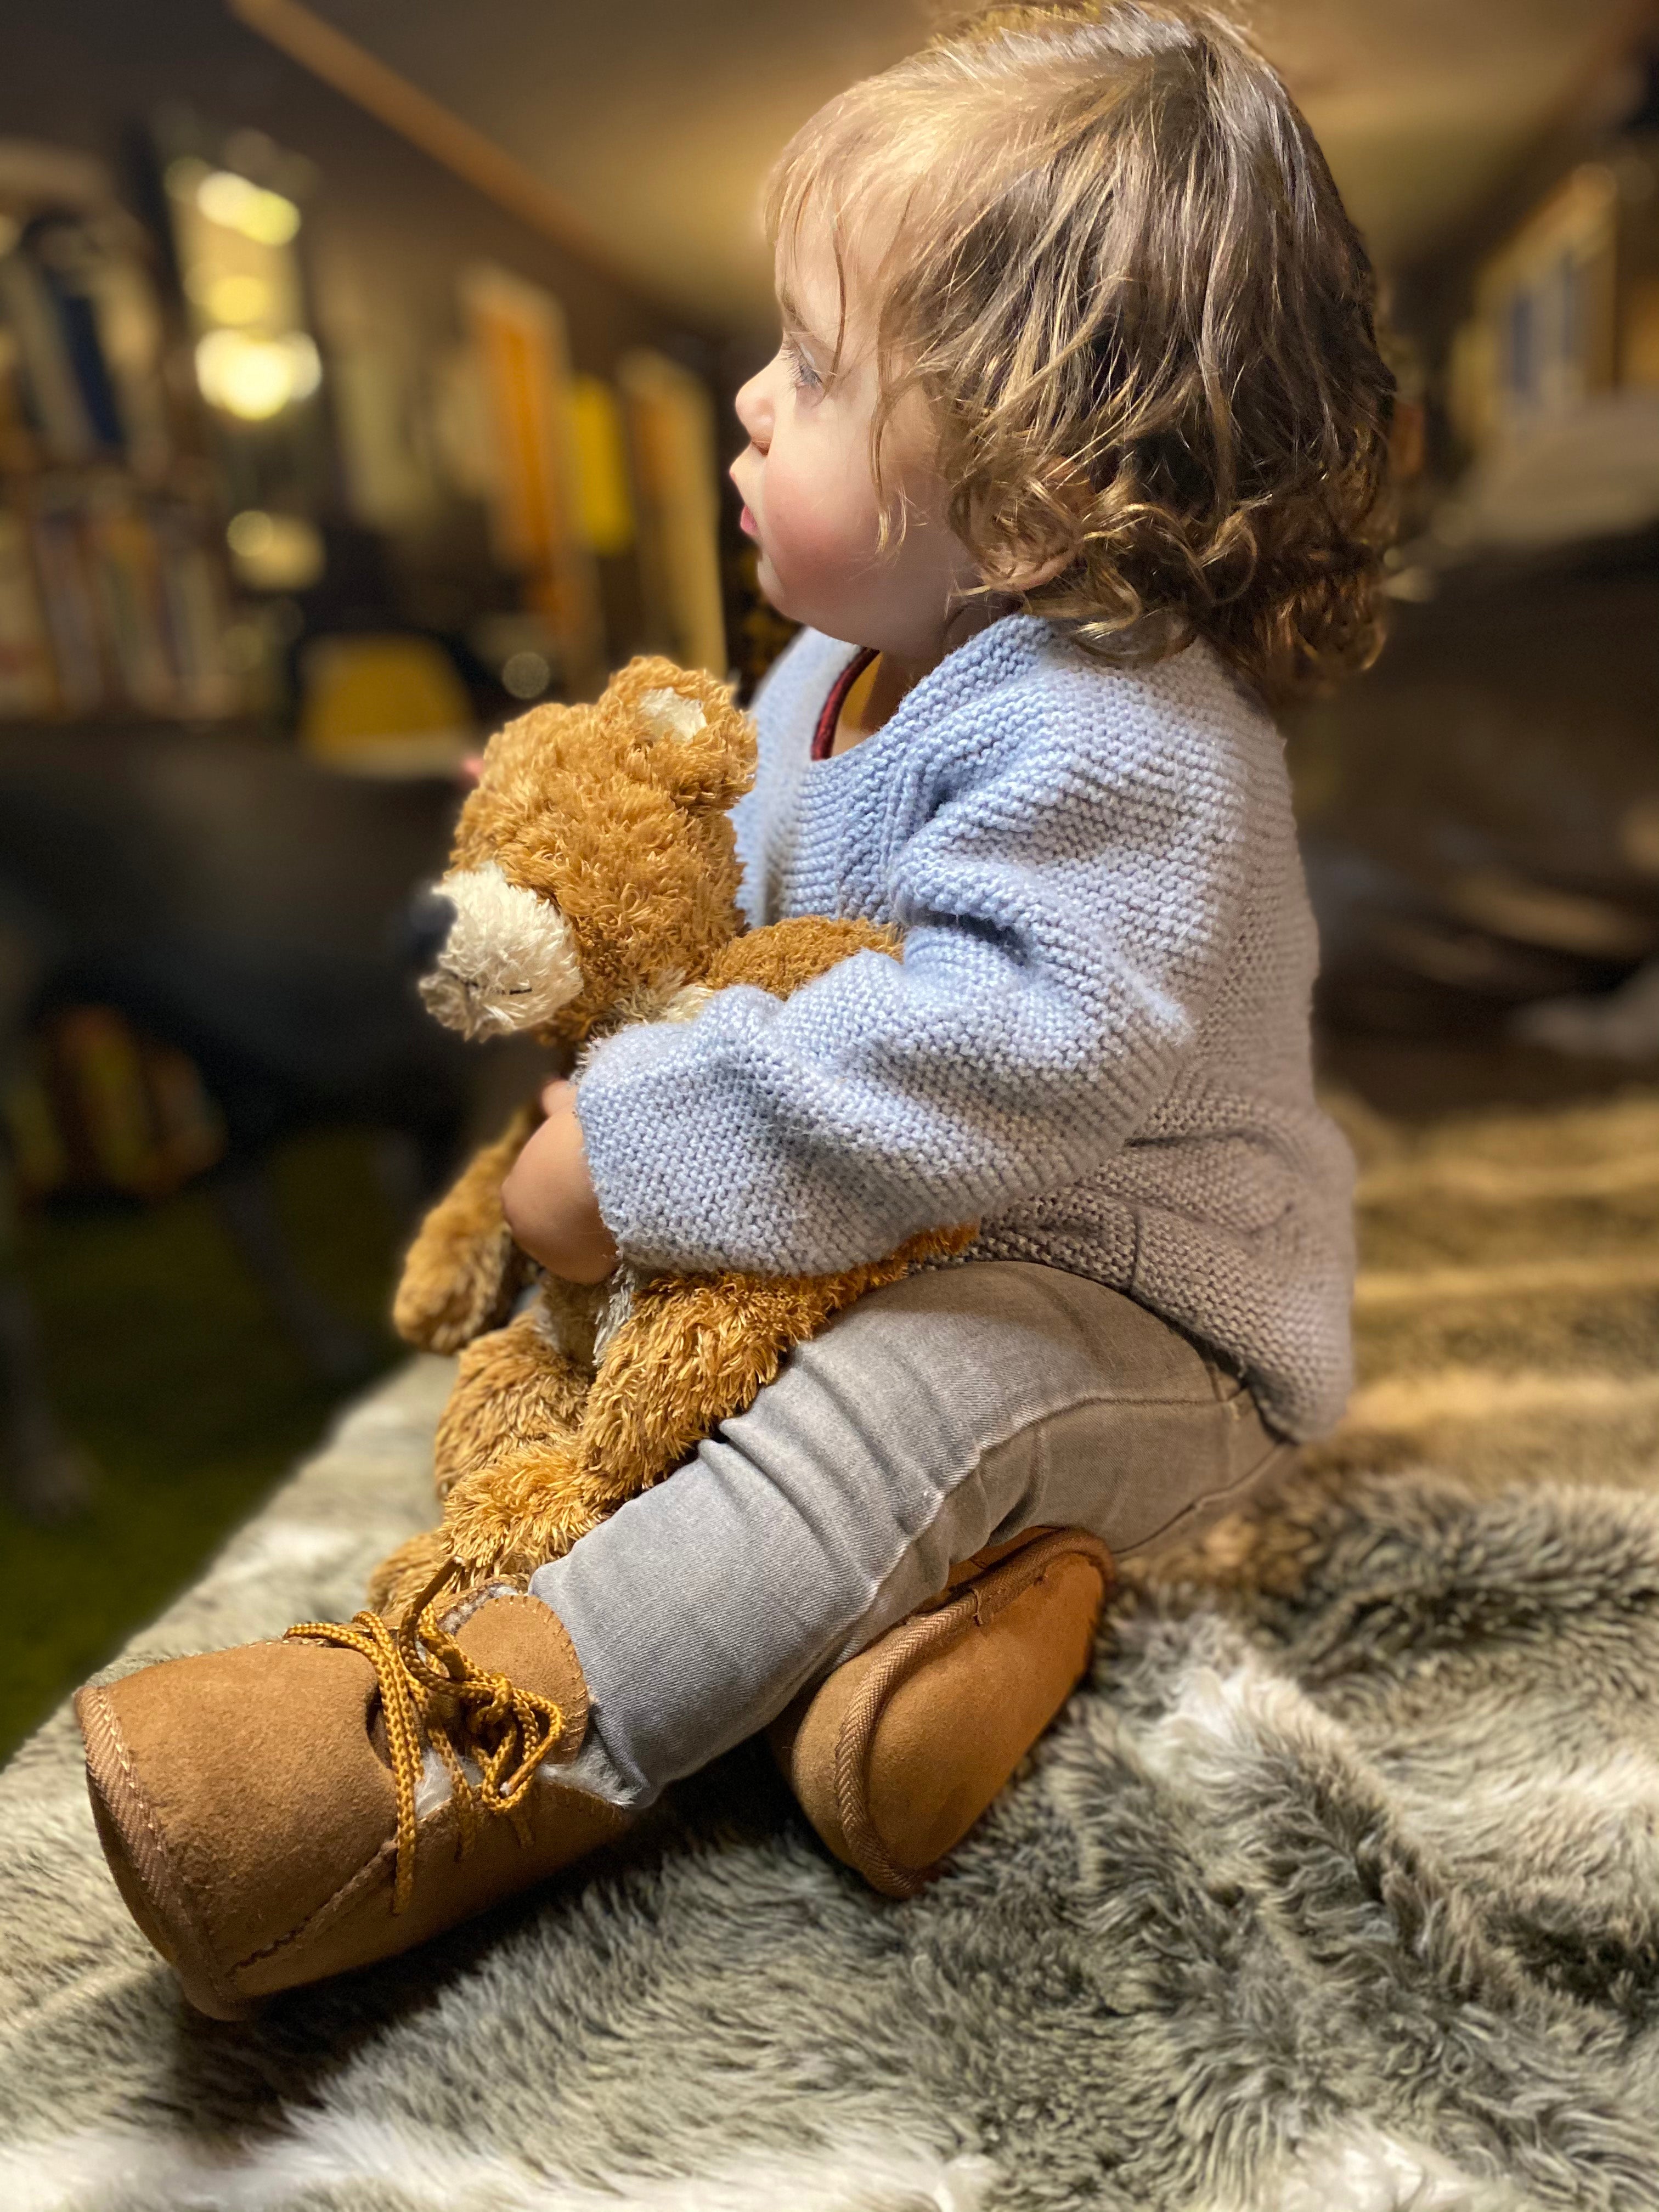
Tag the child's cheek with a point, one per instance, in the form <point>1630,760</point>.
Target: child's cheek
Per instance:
<point>818,542</point>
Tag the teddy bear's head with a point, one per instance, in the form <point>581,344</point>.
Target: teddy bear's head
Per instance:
<point>593,871</point>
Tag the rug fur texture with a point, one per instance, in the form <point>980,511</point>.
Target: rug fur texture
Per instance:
<point>1335,1890</point>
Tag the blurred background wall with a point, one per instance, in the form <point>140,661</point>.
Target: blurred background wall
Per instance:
<point>365,374</point>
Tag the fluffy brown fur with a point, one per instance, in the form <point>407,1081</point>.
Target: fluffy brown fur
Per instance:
<point>625,829</point>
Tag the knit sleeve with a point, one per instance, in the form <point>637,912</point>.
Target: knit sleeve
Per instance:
<point>1066,907</point>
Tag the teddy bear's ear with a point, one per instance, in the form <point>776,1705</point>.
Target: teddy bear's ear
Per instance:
<point>685,732</point>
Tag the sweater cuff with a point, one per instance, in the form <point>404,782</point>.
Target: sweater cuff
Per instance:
<point>611,1126</point>
<point>691,1179</point>
<point>656,1167</point>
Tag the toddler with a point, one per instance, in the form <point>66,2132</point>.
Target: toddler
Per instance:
<point>1070,463</point>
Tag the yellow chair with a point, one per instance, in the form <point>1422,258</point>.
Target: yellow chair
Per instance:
<point>384,705</point>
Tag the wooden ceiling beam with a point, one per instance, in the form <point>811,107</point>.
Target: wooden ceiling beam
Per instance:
<point>305,38</point>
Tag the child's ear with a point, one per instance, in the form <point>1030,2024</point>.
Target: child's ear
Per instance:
<point>685,732</point>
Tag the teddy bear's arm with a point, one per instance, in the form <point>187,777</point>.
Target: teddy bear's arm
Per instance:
<point>463,1270</point>
<point>697,1349</point>
<point>783,956</point>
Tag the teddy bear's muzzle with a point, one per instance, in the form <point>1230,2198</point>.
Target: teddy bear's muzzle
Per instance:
<point>505,960</point>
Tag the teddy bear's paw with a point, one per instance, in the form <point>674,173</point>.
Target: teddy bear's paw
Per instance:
<point>542,1537</point>
<point>487,1507</point>
<point>453,1288</point>
<point>517,1515</point>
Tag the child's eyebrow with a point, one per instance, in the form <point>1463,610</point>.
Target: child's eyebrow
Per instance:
<point>793,320</point>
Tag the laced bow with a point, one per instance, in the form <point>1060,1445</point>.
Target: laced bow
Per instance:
<point>430,1690</point>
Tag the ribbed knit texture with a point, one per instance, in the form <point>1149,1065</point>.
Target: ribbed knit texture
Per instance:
<point>1097,1042</point>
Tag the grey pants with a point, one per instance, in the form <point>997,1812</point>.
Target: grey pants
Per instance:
<point>944,1413</point>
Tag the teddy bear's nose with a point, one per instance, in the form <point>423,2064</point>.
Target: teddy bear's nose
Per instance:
<point>428,921</point>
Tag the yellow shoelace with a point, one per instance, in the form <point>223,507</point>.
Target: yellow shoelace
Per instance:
<point>430,1689</point>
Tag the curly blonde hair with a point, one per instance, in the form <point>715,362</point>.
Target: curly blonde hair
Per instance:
<point>1120,274</point>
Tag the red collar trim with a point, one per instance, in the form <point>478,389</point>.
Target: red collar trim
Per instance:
<point>824,736</point>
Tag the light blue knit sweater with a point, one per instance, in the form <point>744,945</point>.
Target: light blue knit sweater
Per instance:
<point>1097,1042</point>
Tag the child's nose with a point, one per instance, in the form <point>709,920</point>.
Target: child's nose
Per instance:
<point>754,411</point>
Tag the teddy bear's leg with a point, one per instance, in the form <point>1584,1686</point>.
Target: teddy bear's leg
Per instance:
<point>693,1350</point>
<point>514,1389</point>
<point>463,1270</point>
<point>514,1392</point>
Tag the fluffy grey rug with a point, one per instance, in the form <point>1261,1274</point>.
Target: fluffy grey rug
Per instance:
<point>1338,1887</point>
<point>1336,1891</point>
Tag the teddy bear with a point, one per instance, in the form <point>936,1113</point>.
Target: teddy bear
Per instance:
<point>594,883</point>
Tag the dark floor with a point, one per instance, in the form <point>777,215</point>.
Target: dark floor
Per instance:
<point>189,1401</point>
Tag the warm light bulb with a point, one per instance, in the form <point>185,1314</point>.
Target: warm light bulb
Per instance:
<point>239,204</point>
<point>254,379</point>
<point>250,533</point>
<point>307,363</point>
<point>276,553</point>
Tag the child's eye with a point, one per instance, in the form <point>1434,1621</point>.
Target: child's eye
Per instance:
<point>802,374</point>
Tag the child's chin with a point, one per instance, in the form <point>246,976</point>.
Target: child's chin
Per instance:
<point>775,594</point>
<point>797,602</point>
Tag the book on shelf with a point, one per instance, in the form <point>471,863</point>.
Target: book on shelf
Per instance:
<point>71,605</point>
<point>54,404</point>
<point>126,566</point>
<point>94,1104</point>
<point>110,601</point>
<point>84,346</point>
<point>67,253</point>
<point>198,618</point>
<point>112,593</point>
<point>29,684</point>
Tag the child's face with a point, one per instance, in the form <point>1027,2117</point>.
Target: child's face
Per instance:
<point>809,496</point>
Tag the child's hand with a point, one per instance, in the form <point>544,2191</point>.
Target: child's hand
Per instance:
<point>548,1196</point>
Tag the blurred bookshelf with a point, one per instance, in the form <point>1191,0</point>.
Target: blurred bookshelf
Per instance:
<point>115,604</point>
<point>208,508</point>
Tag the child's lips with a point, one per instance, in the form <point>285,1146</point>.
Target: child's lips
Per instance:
<point>746,524</point>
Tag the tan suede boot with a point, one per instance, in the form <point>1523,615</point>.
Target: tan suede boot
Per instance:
<point>898,1753</point>
<point>281,1812</point>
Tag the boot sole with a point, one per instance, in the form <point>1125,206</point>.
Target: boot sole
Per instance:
<point>131,1838</point>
